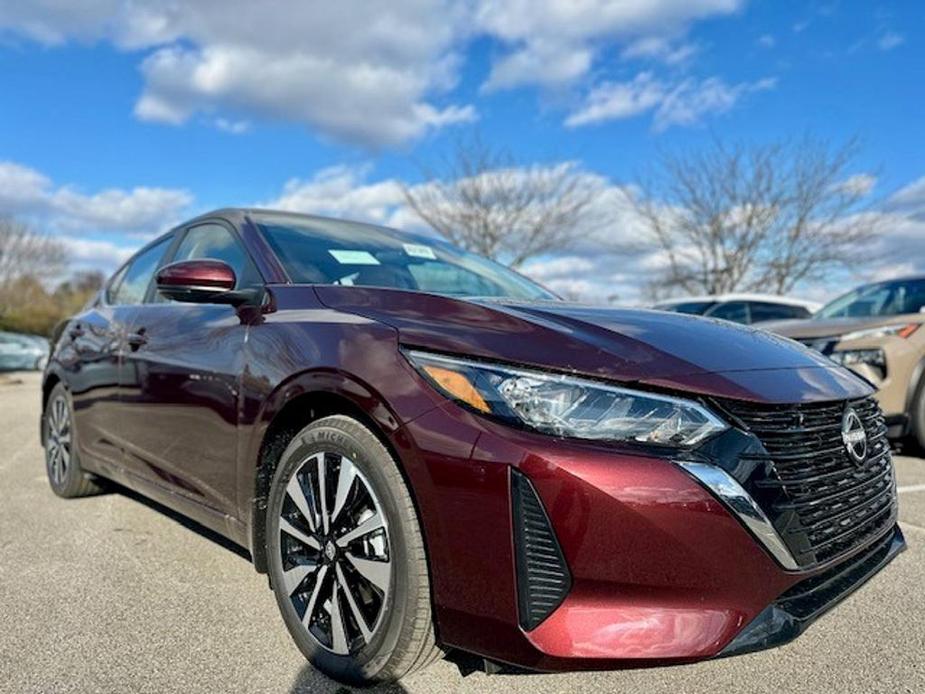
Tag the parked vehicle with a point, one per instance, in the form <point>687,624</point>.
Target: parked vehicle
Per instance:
<point>425,450</point>
<point>876,331</point>
<point>742,308</point>
<point>22,352</point>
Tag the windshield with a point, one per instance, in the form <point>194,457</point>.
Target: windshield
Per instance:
<point>893,298</point>
<point>327,251</point>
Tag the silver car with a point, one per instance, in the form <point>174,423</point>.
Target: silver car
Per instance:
<point>22,352</point>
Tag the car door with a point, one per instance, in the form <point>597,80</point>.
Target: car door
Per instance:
<point>90,351</point>
<point>180,410</point>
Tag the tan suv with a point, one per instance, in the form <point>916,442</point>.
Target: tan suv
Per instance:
<point>877,331</point>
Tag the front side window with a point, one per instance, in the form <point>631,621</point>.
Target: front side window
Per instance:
<point>322,251</point>
<point>893,298</point>
<point>137,276</point>
<point>215,242</point>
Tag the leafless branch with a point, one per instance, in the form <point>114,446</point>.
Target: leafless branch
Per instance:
<point>766,217</point>
<point>484,201</point>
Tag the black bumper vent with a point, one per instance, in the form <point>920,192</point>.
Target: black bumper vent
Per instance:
<point>543,578</point>
<point>822,504</point>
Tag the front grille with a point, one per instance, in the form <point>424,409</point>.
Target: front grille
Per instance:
<point>543,579</point>
<point>821,502</point>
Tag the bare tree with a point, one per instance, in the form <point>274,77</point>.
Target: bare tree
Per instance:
<point>26,253</point>
<point>755,217</point>
<point>484,201</point>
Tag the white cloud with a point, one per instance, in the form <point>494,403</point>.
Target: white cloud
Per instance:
<point>766,41</point>
<point>366,74</point>
<point>680,103</point>
<point>548,63</point>
<point>615,100</point>
<point>94,253</point>
<point>554,41</point>
<point>234,127</point>
<point>910,198</point>
<point>661,49</point>
<point>142,210</point>
<point>342,191</point>
<point>689,101</point>
<point>890,40</point>
<point>21,188</point>
<point>859,184</point>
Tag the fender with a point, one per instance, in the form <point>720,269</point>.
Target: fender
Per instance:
<point>323,388</point>
<point>916,383</point>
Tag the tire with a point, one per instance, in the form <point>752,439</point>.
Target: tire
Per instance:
<point>62,463</point>
<point>918,416</point>
<point>383,565</point>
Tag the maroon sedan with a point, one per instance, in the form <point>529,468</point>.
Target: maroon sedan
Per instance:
<point>425,450</point>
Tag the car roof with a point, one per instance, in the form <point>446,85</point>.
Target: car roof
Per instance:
<point>744,296</point>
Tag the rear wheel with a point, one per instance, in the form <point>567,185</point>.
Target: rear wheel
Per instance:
<point>346,556</point>
<point>65,475</point>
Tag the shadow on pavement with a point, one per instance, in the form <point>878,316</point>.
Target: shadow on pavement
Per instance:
<point>186,522</point>
<point>310,681</point>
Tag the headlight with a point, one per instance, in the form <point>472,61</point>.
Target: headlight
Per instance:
<point>868,357</point>
<point>903,330</point>
<point>568,406</point>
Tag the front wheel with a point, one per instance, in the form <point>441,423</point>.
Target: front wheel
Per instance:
<point>346,556</point>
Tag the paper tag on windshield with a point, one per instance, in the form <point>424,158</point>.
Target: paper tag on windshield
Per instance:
<point>416,250</point>
<point>354,257</point>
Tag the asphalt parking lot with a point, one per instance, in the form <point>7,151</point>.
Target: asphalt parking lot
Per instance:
<point>110,594</point>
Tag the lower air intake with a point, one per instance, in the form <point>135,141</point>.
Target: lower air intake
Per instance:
<point>543,578</point>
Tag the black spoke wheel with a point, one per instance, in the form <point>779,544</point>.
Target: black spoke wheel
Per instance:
<point>65,475</point>
<point>346,555</point>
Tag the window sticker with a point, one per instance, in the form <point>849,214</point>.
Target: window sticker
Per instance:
<point>416,250</point>
<point>353,257</point>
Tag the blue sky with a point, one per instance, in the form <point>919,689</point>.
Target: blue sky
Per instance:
<point>119,119</point>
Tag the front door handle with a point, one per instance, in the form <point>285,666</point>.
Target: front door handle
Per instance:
<point>136,340</point>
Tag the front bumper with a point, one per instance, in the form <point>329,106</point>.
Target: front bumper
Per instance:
<point>792,613</point>
<point>661,571</point>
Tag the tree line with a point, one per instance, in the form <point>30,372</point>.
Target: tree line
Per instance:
<point>727,217</point>
<point>33,297</point>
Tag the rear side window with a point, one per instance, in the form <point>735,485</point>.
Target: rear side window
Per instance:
<point>114,285</point>
<point>137,276</point>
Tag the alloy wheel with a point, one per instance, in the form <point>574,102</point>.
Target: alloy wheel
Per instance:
<point>334,547</point>
<point>58,443</point>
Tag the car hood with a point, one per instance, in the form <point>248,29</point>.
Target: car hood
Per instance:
<point>667,350</point>
<point>834,327</point>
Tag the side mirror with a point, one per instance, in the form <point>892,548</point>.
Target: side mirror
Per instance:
<point>198,282</point>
